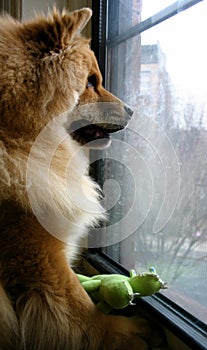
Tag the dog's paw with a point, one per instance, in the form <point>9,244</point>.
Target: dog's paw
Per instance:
<point>133,333</point>
<point>148,331</point>
<point>128,333</point>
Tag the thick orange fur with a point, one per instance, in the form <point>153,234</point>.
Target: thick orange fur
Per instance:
<point>44,67</point>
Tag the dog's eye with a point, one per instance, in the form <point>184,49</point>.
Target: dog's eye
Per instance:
<point>89,84</point>
<point>92,82</point>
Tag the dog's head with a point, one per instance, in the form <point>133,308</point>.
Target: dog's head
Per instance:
<point>98,112</point>
<point>48,68</point>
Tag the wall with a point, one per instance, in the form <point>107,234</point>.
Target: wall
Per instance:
<point>30,7</point>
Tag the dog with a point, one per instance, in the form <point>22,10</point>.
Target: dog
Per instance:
<point>53,105</point>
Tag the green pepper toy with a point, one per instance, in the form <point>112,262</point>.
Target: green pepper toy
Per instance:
<point>117,291</point>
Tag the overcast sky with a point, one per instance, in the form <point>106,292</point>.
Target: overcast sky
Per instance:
<point>182,39</point>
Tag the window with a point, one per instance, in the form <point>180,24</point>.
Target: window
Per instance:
<point>154,175</point>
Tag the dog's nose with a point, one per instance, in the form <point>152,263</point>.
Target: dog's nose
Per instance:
<point>128,110</point>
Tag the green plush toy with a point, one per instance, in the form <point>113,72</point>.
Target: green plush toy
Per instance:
<point>117,291</point>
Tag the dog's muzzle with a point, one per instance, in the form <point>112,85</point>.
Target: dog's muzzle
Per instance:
<point>95,122</point>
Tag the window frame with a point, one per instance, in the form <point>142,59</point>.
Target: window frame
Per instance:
<point>190,330</point>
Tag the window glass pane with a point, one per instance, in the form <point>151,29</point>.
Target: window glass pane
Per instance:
<point>156,171</point>
<point>151,7</point>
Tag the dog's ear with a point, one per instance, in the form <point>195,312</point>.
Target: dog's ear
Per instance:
<point>53,34</point>
<point>77,20</point>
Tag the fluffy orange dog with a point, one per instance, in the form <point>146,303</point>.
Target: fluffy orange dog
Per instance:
<point>47,201</point>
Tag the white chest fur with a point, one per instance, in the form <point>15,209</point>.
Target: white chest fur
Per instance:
<point>62,196</point>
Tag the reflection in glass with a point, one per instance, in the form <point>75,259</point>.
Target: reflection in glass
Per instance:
<point>162,73</point>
